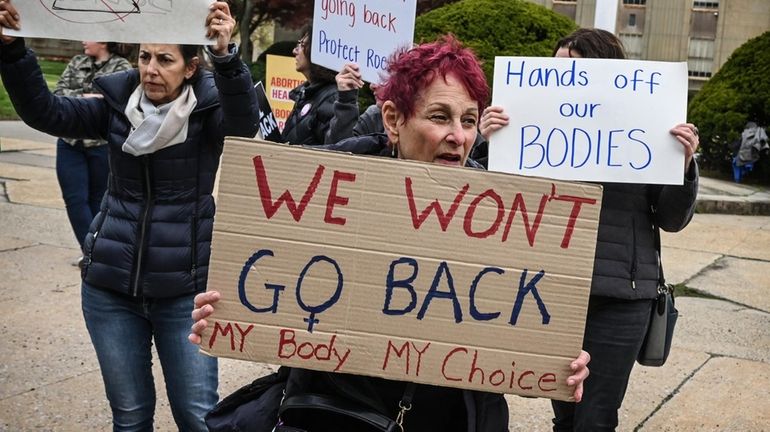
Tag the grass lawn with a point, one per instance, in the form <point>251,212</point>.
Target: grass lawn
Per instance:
<point>51,71</point>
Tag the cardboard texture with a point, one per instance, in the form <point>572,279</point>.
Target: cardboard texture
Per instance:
<point>400,269</point>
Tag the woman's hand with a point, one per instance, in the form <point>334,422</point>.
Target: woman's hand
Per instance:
<point>349,78</point>
<point>687,135</point>
<point>203,308</point>
<point>219,26</point>
<point>580,373</point>
<point>492,119</point>
<point>9,18</point>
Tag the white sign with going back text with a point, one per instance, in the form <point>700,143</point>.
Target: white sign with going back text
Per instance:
<point>365,32</point>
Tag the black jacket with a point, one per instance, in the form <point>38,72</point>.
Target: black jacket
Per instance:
<point>626,263</point>
<point>439,409</point>
<point>311,116</point>
<point>152,235</point>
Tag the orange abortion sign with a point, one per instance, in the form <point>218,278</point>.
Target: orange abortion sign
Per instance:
<point>281,77</point>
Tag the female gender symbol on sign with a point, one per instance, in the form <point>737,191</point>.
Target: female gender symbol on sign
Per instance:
<point>313,310</point>
<point>325,305</point>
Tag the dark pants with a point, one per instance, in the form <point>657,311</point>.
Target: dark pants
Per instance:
<point>615,331</point>
<point>82,173</point>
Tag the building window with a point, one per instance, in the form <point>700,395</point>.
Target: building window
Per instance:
<point>703,24</point>
<point>705,4</point>
<point>635,2</point>
<point>631,20</point>
<point>699,74</point>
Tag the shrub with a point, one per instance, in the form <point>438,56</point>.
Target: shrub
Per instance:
<point>737,94</point>
<point>496,28</point>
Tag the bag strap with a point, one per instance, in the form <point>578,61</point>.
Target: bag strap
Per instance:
<point>661,276</point>
<point>313,401</point>
<point>405,404</point>
<point>351,409</point>
<point>663,288</point>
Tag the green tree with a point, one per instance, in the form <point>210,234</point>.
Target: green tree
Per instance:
<point>496,28</point>
<point>251,14</point>
<point>737,94</point>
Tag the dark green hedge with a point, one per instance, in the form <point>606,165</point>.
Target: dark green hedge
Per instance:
<point>738,93</point>
<point>496,28</point>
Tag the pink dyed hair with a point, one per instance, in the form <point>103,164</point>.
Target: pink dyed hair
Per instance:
<point>411,71</point>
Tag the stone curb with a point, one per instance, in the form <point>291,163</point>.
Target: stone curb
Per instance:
<point>730,205</point>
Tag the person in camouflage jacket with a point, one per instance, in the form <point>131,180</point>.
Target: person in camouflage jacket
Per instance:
<point>81,164</point>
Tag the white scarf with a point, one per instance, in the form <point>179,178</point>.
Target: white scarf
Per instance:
<point>155,128</point>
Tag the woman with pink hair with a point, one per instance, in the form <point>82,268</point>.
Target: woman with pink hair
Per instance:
<point>431,103</point>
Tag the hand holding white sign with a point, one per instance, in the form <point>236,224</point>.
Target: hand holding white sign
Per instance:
<point>9,19</point>
<point>219,27</point>
<point>349,78</point>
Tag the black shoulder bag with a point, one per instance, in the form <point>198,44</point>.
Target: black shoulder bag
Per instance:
<point>252,408</point>
<point>660,332</point>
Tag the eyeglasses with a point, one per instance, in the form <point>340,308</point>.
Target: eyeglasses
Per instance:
<point>301,43</point>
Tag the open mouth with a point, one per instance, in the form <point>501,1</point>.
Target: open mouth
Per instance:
<point>449,159</point>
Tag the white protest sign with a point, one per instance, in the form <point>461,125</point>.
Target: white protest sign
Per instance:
<point>600,120</point>
<point>126,21</point>
<point>365,32</point>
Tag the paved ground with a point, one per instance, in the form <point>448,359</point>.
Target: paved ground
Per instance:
<point>714,380</point>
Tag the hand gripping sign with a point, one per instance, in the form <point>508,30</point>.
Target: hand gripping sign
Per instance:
<point>399,269</point>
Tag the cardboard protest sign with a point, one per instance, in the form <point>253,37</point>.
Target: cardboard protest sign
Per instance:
<point>127,21</point>
<point>268,125</point>
<point>281,77</point>
<point>590,119</point>
<point>399,269</point>
<point>365,32</point>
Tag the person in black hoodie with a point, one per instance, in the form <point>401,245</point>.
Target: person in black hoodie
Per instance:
<point>432,101</point>
<point>626,264</point>
<point>147,250</point>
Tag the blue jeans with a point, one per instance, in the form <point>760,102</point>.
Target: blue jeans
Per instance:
<point>614,334</point>
<point>82,173</point>
<point>122,330</point>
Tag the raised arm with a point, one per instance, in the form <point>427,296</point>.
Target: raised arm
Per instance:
<point>237,96</point>
<point>346,106</point>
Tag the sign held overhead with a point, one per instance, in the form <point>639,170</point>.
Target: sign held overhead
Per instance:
<point>126,21</point>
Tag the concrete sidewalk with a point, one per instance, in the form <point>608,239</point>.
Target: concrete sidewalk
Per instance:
<point>714,380</point>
